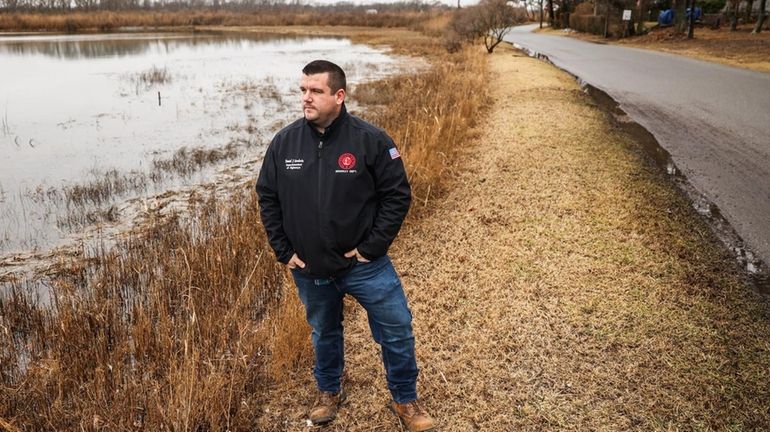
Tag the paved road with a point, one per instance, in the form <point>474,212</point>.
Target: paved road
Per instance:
<point>714,120</point>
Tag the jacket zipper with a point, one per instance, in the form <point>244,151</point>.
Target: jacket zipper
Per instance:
<point>320,170</point>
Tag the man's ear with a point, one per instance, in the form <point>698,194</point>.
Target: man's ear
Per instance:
<point>340,96</point>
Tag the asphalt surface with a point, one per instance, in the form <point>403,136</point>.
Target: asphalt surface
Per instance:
<point>714,120</point>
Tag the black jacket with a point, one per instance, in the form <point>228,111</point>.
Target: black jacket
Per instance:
<point>321,195</point>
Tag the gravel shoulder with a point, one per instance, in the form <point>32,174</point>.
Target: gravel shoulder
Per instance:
<point>563,283</point>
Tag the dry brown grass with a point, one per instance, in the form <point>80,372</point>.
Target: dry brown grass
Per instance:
<point>160,331</point>
<point>108,21</point>
<point>559,283</point>
<point>436,114</point>
<point>186,325</point>
<point>562,283</point>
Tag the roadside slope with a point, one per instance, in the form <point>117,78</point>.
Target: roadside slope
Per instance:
<point>562,284</point>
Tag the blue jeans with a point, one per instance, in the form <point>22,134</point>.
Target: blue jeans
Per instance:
<point>376,287</point>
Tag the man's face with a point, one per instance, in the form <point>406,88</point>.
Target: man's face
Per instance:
<point>319,104</point>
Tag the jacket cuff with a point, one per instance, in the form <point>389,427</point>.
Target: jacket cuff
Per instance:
<point>284,258</point>
<point>364,252</point>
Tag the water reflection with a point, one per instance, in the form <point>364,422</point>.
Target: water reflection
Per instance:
<point>121,45</point>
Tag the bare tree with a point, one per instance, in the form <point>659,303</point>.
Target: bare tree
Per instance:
<point>749,10</point>
<point>541,13</point>
<point>762,16</point>
<point>489,20</point>
<point>734,15</point>
<point>642,15</point>
<point>551,14</point>
<point>498,17</point>
<point>680,15</point>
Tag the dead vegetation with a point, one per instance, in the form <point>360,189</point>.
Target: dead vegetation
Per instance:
<point>562,283</point>
<point>93,200</point>
<point>154,75</point>
<point>163,329</point>
<point>186,324</point>
<point>186,161</point>
<point>280,16</point>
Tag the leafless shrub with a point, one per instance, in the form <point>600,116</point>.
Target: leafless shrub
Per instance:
<point>490,21</point>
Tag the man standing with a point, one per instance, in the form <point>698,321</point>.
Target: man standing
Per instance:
<point>333,194</point>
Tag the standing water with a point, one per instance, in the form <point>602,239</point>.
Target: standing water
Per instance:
<point>91,122</point>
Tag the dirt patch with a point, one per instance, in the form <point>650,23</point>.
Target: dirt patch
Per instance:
<point>562,284</point>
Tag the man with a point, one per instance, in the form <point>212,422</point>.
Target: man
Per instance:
<point>333,194</point>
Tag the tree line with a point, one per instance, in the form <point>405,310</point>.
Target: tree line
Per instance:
<point>605,17</point>
<point>174,5</point>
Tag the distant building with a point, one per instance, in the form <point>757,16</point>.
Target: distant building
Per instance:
<point>371,11</point>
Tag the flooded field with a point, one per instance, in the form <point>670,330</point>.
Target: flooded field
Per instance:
<point>93,128</point>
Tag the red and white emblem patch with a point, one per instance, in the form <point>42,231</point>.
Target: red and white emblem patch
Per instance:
<point>347,161</point>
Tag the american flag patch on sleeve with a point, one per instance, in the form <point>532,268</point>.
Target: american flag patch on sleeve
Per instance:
<point>394,154</point>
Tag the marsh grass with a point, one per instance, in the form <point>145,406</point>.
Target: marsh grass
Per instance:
<point>430,115</point>
<point>5,126</point>
<point>163,329</point>
<point>185,324</point>
<point>154,75</point>
<point>93,201</point>
<point>250,91</point>
<point>103,187</point>
<point>186,161</point>
<point>270,91</point>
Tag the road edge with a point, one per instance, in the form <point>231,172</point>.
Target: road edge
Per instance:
<point>756,272</point>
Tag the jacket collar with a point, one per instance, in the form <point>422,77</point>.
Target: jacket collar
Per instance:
<point>333,126</point>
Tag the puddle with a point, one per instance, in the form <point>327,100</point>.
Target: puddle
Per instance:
<point>756,271</point>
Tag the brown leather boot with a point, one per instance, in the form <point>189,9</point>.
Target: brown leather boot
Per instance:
<point>325,406</point>
<point>413,416</point>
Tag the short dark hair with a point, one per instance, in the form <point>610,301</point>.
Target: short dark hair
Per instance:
<point>336,74</point>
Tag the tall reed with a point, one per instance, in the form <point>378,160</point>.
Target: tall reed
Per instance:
<point>183,325</point>
<point>431,115</point>
<point>164,330</point>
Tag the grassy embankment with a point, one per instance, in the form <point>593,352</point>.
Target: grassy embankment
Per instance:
<point>562,284</point>
<point>740,48</point>
<point>184,325</point>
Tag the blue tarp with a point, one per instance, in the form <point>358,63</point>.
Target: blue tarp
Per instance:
<point>666,17</point>
<point>698,13</point>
